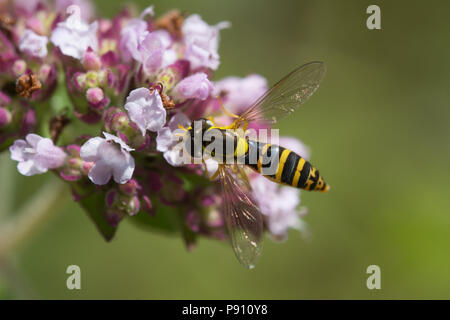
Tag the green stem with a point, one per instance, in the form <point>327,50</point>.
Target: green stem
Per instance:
<point>25,222</point>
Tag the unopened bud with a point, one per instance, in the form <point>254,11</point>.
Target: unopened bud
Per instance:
<point>95,95</point>
<point>5,117</point>
<point>133,206</point>
<point>19,67</point>
<point>44,72</point>
<point>129,188</point>
<point>91,61</point>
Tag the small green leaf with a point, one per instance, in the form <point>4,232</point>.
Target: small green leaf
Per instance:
<point>94,205</point>
<point>165,220</point>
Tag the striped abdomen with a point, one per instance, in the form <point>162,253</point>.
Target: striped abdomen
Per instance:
<point>284,166</point>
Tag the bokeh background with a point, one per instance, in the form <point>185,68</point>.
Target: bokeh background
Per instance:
<point>379,132</point>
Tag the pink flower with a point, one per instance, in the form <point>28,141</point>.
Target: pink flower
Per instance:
<point>130,37</point>
<point>196,86</point>
<point>33,44</point>
<point>278,204</point>
<point>166,139</point>
<point>241,93</point>
<point>86,7</point>
<point>91,61</point>
<point>155,51</point>
<point>27,6</point>
<point>36,155</point>
<point>73,36</point>
<point>111,157</point>
<point>202,42</point>
<point>145,108</point>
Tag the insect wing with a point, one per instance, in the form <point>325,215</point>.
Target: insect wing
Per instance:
<point>243,218</point>
<point>287,95</point>
<point>239,171</point>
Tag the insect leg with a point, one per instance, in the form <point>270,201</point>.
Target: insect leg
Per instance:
<point>228,113</point>
<point>212,120</point>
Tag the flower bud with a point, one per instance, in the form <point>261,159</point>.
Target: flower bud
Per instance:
<point>154,182</point>
<point>91,61</point>
<point>116,120</point>
<point>193,220</point>
<point>147,205</point>
<point>35,24</point>
<point>5,117</point>
<point>121,204</point>
<point>130,188</point>
<point>95,95</point>
<point>44,72</point>
<point>114,217</point>
<point>214,219</point>
<point>133,206</point>
<point>73,168</point>
<point>28,121</point>
<point>172,191</point>
<point>207,201</point>
<point>80,81</point>
<point>111,197</point>
<point>19,67</point>
<point>4,99</point>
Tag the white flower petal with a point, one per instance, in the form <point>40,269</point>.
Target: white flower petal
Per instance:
<point>146,109</point>
<point>173,158</point>
<point>124,172</point>
<point>164,139</point>
<point>73,36</point>
<point>179,119</point>
<point>17,150</point>
<point>33,44</point>
<point>130,37</point>
<point>100,173</point>
<point>36,155</point>
<point>196,86</point>
<point>33,139</point>
<point>89,150</point>
<point>202,42</point>
<point>28,168</point>
<point>48,155</point>
<point>120,142</point>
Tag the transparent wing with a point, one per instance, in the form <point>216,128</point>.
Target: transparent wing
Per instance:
<point>287,95</point>
<point>243,218</point>
<point>239,171</point>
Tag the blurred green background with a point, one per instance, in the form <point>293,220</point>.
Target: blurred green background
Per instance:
<point>378,128</point>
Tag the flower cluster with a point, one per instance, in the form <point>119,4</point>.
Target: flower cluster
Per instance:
<point>97,101</point>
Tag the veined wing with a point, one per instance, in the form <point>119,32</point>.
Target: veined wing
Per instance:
<point>243,219</point>
<point>287,95</point>
<point>239,172</point>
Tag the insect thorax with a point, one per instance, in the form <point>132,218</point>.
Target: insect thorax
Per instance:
<point>212,142</point>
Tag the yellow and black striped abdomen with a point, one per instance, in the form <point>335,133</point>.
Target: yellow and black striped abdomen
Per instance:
<point>287,167</point>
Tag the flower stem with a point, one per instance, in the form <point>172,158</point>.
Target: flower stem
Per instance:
<point>30,217</point>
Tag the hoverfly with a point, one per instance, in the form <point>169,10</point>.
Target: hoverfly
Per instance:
<point>243,218</point>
